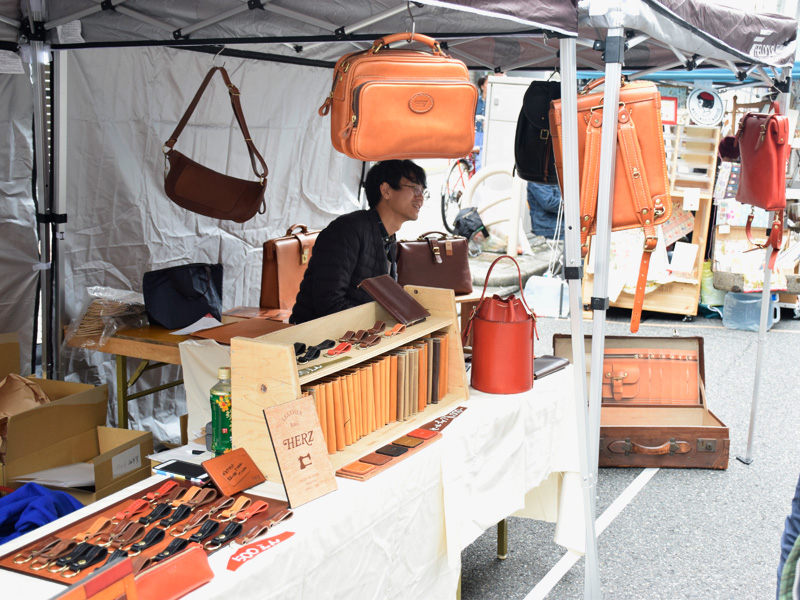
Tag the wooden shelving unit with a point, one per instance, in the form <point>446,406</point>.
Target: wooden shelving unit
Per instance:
<point>694,159</point>
<point>264,373</point>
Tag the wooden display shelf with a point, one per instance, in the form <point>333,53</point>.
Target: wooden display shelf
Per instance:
<point>678,297</point>
<point>265,373</point>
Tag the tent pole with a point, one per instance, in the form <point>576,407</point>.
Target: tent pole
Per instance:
<point>574,274</point>
<point>59,166</point>
<point>766,306</point>
<point>38,59</point>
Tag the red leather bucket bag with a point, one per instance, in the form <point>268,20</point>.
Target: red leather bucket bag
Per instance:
<point>502,342</point>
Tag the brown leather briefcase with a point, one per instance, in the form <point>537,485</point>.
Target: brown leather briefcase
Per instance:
<point>285,262</point>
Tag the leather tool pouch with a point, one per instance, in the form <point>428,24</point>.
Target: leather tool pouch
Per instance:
<point>396,104</point>
<point>650,376</point>
<point>435,260</point>
<point>199,189</point>
<point>285,263</point>
<point>641,187</point>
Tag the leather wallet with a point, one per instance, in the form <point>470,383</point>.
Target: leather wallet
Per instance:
<point>397,302</point>
<point>233,472</point>
<point>373,458</point>
<point>392,450</point>
<point>546,364</point>
<point>174,577</point>
<point>358,468</point>
<point>423,434</point>
<point>408,441</point>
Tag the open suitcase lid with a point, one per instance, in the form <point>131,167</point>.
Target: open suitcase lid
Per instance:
<point>646,371</point>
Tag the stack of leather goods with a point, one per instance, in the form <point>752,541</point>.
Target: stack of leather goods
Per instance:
<point>392,387</point>
<point>165,521</point>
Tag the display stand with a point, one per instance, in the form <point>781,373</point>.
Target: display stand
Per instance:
<point>265,374</point>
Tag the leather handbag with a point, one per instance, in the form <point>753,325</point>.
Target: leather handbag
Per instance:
<point>650,376</point>
<point>435,259</point>
<point>178,296</point>
<point>387,103</point>
<point>285,263</point>
<point>641,184</point>
<point>204,191</point>
<point>533,147</point>
<point>763,141</point>
<point>502,341</point>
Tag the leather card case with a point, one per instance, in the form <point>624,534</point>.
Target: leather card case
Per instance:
<point>373,458</point>
<point>423,434</point>
<point>397,302</point>
<point>408,441</point>
<point>392,450</point>
<point>546,364</point>
<point>358,468</point>
<point>233,471</point>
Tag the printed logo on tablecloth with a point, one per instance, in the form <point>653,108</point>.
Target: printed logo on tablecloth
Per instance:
<point>249,552</point>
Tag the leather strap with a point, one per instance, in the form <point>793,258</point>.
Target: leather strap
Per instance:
<point>62,561</point>
<point>100,525</point>
<point>231,530</point>
<point>46,556</point>
<point>153,537</point>
<point>240,504</point>
<point>181,513</point>
<point>173,547</point>
<point>44,546</point>
<point>260,529</point>
<point>774,240</point>
<point>233,92</point>
<point>187,496</point>
<point>161,511</point>
<point>206,530</point>
<point>133,532</point>
<point>669,447</point>
<point>91,557</point>
<point>134,508</point>
<point>167,487</point>
<point>254,509</point>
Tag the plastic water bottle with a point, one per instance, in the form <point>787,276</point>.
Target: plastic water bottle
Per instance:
<point>743,311</point>
<point>221,413</point>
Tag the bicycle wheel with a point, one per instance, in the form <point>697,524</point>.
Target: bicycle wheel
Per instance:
<point>452,190</point>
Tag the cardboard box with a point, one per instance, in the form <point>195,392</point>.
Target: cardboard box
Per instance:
<point>9,354</point>
<point>71,429</point>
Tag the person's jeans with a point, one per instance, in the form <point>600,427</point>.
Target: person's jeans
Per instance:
<point>479,144</point>
<point>790,531</point>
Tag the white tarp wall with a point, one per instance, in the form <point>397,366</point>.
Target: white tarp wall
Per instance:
<point>18,238</point>
<point>123,105</point>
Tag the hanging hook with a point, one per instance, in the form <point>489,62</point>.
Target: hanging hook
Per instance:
<point>214,60</point>
<point>413,23</point>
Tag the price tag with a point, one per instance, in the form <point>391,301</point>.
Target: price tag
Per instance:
<point>249,552</point>
<point>691,199</point>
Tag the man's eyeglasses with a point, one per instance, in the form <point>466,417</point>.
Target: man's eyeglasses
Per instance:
<point>418,190</point>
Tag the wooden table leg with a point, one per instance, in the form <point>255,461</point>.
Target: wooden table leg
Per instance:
<point>122,391</point>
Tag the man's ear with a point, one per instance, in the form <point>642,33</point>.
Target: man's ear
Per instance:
<point>385,187</point>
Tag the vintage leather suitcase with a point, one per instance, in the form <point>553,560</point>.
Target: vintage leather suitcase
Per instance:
<point>653,418</point>
<point>285,262</point>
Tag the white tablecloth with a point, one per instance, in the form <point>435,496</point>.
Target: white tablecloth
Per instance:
<point>400,534</point>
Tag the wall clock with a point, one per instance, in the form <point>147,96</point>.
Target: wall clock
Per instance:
<point>705,107</point>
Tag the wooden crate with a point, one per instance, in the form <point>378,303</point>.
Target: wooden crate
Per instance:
<point>653,435</point>
<point>264,373</point>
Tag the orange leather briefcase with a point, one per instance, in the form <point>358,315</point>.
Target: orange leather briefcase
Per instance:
<point>285,263</point>
<point>387,103</point>
<point>641,186</point>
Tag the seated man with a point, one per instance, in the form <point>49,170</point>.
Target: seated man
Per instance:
<point>361,244</point>
<point>544,200</point>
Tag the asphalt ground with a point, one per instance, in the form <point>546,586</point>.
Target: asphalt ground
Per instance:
<point>689,533</point>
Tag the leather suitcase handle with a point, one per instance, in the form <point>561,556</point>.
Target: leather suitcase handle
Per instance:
<point>424,236</point>
<point>409,37</point>
<point>290,231</point>
<point>668,447</point>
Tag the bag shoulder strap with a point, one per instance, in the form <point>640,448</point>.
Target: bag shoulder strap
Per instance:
<point>233,92</point>
<point>774,240</point>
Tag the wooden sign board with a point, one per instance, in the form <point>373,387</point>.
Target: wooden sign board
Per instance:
<point>301,450</point>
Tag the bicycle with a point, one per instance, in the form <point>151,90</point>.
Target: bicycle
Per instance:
<point>454,185</point>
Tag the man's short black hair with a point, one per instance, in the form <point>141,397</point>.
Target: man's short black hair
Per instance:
<point>391,171</point>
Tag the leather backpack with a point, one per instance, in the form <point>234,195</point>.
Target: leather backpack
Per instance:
<point>533,146</point>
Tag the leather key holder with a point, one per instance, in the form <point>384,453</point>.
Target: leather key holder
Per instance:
<point>181,513</point>
<point>262,528</point>
<point>100,526</point>
<point>174,547</point>
<point>240,504</point>
<point>118,554</point>
<point>91,557</point>
<point>186,497</point>
<point>202,517</point>
<point>48,544</point>
<point>159,512</point>
<point>153,537</point>
<point>254,509</point>
<point>206,530</point>
<point>204,496</point>
<point>77,552</point>
<point>134,508</point>
<point>49,555</point>
<point>231,531</point>
<point>169,486</point>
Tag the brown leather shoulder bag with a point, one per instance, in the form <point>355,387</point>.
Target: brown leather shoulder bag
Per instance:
<point>204,191</point>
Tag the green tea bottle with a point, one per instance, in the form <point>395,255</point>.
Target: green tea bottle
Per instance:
<point>221,413</point>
